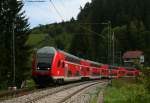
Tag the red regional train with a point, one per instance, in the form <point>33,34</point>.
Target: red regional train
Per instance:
<point>50,65</point>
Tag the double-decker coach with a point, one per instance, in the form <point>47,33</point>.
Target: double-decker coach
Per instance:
<point>122,72</point>
<point>50,65</point>
<point>132,72</point>
<point>104,71</point>
<point>95,70</point>
<point>113,71</point>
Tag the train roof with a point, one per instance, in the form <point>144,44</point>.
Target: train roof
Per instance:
<point>130,68</point>
<point>70,55</point>
<point>47,50</point>
<point>93,62</point>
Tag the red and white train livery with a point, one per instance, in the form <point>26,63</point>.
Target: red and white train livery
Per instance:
<point>50,65</point>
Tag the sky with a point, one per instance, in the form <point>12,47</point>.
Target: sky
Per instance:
<point>44,12</point>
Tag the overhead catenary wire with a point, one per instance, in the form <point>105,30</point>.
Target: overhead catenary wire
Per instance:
<point>89,30</point>
<point>57,11</point>
<point>77,23</point>
<point>35,1</point>
<point>61,17</point>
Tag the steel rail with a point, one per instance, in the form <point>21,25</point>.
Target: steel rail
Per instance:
<point>57,91</point>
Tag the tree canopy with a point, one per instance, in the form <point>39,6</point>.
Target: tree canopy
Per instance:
<point>13,21</point>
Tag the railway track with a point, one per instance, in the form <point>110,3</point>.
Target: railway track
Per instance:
<point>39,96</point>
<point>64,95</point>
<point>77,92</point>
<point>10,94</point>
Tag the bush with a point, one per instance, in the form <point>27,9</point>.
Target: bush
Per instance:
<point>129,90</point>
<point>144,78</point>
<point>3,85</point>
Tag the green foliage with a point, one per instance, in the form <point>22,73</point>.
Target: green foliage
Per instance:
<point>57,35</point>
<point>30,83</point>
<point>126,91</point>
<point>13,21</point>
<point>83,37</point>
<point>35,39</point>
<point>129,21</point>
<point>144,78</point>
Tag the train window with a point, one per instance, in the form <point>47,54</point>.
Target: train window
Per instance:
<point>69,73</point>
<point>58,64</point>
<point>77,73</point>
<point>72,59</point>
<point>121,72</point>
<point>112,67</point>
<point>104,71</point>
<point>88,69</point>
<point>63,64</point>
<point>95,65</point>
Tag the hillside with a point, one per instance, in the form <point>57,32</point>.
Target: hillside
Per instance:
<point>57,35</point>
<point>88,35</point>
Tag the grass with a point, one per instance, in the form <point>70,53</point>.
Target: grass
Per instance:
<point>34,39</point>
<point>30,83</point>
<point>126,91</point>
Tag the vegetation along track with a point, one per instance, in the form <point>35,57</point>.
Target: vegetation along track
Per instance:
<point>39,95</point>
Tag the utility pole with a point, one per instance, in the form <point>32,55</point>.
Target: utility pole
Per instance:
<point>109,42</point>
<point>120,58</point>
<point>108,23</point>
<point>113,48</point>
<point>13,52</point>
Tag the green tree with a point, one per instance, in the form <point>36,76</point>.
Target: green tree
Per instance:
<point>14,21</point>
<point>131,16</point>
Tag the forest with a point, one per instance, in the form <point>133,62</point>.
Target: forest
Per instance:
<point>127,22</point>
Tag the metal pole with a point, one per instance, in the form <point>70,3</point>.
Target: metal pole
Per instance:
<point>109,42</point>
<point>108,51</point>
<point>14,59</point>
<point>120,57</point>
<point>113,47</point>
<point>108,45</point>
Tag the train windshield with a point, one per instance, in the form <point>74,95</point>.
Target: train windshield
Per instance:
<point>45,57</point>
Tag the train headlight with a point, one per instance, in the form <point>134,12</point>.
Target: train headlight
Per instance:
<point>58,72</point>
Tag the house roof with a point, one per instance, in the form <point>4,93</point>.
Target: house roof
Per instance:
<point>132,54</point>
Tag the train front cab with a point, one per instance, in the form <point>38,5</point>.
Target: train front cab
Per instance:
<point>42,65</point>
<point>72,69</point>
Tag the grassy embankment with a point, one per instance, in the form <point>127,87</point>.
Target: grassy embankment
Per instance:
<point>127,91</point>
